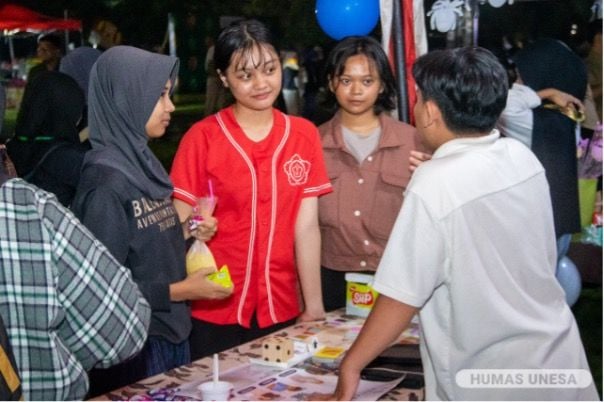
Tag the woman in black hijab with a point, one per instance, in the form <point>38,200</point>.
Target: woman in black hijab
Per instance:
<point>124,198</point>
<point>549,63</point>
<point>77,64</point>
<point>46,148</point>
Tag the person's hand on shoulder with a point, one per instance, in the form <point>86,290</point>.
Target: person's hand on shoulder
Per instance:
<point>416,158</point>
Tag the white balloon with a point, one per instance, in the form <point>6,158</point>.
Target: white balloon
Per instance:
<point>446,22</point>
<point>497,3</point>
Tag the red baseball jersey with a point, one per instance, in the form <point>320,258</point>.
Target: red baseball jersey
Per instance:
<point>259,186</point>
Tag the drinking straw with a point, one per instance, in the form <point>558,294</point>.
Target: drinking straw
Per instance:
<point>215,373</point>
<point>211,188</point>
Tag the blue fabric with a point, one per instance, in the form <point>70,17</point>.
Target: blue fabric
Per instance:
<point>157,356</point>
<point>161,355</point>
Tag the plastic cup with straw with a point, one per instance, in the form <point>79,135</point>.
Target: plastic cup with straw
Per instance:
<point>215,369</point>
<point>215,390</point>
<point>204,208</point>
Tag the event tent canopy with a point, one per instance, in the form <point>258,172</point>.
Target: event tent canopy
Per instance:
<point>14,18</point>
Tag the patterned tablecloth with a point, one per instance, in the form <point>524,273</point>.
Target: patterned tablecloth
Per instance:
<point>304,381</point>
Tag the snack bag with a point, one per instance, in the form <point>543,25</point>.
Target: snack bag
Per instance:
<point>222,277</point>
<point>360,296</point>
<point>199,256</point>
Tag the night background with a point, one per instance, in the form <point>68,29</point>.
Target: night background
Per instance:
<point>143,22</point>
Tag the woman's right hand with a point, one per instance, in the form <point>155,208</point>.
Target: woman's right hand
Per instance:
<point>197,286</point>
<point>205,229</point>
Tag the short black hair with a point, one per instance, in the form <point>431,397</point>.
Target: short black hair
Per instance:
<point>468,84</point>
<point>244,36</point>
<point>372,49</point>
<point>53,39</point>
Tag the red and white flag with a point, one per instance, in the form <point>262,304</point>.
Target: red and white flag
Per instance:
<point>415,39</point>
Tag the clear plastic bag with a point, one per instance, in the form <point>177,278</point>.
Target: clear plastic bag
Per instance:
<point>199,256</point>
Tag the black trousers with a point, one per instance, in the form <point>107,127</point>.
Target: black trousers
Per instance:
<point>333,285</point>
<point>207,338</point>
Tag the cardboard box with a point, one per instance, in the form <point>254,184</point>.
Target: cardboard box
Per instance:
<point>360,296</point>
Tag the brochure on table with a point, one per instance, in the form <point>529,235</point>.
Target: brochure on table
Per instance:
<point>252,382</point>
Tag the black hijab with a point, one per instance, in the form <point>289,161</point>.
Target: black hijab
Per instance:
<point>125,85</point>
<point>77,64</point>
<point>51,108</point>
<point>549,63</point>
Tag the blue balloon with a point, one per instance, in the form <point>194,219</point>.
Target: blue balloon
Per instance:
<point>569,278</point>
<point>341,18</point>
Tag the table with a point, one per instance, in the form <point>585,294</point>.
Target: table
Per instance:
<point>255,382</point>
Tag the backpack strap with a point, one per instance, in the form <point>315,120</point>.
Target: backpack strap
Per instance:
<point>10,382</point>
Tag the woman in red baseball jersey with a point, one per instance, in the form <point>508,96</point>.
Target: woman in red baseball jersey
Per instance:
<point>267,170</point>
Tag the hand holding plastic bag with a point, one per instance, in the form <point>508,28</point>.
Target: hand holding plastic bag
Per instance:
<point>199,255</point>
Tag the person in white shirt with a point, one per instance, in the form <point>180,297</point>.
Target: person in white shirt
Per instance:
<point>516,120</point>
<point>473,250</point>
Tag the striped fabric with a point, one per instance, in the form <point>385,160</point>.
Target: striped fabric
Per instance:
<point>67,304</point>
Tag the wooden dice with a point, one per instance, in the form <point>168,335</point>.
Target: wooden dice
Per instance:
<point>277,349</point>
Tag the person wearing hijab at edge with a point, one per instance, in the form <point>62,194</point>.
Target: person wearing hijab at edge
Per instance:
<point>267,171</point>
<point>551,74</point>
<point>124,198</point>
<point>46,148</point>
<point>61,288</point>
<point>77,64</point>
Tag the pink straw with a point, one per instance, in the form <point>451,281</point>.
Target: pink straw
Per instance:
<point>211,188</point>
